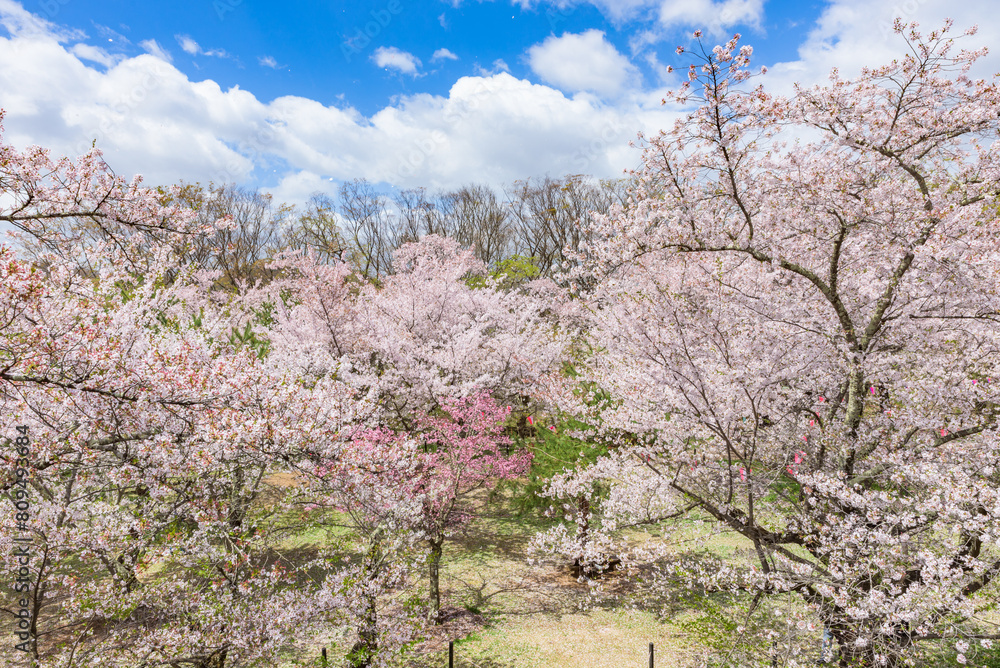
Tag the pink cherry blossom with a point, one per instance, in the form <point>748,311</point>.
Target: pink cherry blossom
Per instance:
<point>779,251</point>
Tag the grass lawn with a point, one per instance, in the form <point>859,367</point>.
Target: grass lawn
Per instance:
<point>503,612</point>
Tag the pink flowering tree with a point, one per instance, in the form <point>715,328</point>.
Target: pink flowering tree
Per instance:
<point>151,437</point>
<point>413,346</point>
<point>397,490</point>
<point>796,316</point>
<point>437,330</point>
<point>434,333</point>
<point>468,453</point>
<point>438,327</point>
<point>367,476</point>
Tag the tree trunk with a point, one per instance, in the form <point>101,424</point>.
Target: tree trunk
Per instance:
<point>365,649</point>
<point>215,660</point>
<point>583,534</point>
<point>36,598</point>
<point>434,572</point>
<point>856,657</point>
<point>852,656</point>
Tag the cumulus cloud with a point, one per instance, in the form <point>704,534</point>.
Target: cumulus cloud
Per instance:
<point>150,118</point>
<point>19,22</point>
<point>443,54</point>
<point>851,34</point>
<point>392,58</point>
<point>298,187</point>
<point>711,15</point>
<point>582,62</point>
<point>847,35</point>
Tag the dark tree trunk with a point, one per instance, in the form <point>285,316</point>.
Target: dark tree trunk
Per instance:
<point>434,573</point>
<point>364,650</point>
<point>583,533</point>
<point>852,656</point>
<point>216,659</point>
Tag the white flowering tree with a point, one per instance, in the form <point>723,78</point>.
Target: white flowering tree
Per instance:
<point>795,321</point>
<point>151,438</point>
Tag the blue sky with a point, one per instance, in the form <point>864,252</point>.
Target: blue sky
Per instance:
<point>295,97</point>
<point>326,51</point>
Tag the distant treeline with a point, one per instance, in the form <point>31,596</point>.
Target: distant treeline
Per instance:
<point>532,223</point>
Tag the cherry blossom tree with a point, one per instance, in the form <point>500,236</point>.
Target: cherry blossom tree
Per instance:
<point>152,438</point>
<point>368,478</point>
<point>795,317</point>
<point>469,453</point>
<point>439,327</point>
<point>395,489</point>
<point>436,333</point>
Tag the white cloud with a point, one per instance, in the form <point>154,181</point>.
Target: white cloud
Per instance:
<point>851,34</point>
<point>390,57</point>
<point>268,61</point>
<point>298,187</point>
<point>188,44</point>
<point>19,22</point>
<point>710,15</point>
<point>582,62</point>
<point>151,47</point>
<point>94,54</point>
<point>150,118</point>
<point>443,54</point>
<point>499,65</point>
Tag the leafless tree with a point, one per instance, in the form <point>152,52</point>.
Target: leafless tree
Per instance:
<point>241,250</point>
<point>317,230</point>
<point>478,218</point>
<point>418,215</point>
<point>547,213</point>
<point>368,228</point>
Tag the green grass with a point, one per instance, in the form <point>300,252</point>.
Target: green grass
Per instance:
<point>505,613</point>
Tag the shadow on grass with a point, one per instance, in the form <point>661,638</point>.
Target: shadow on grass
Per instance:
<point>440,660</point>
